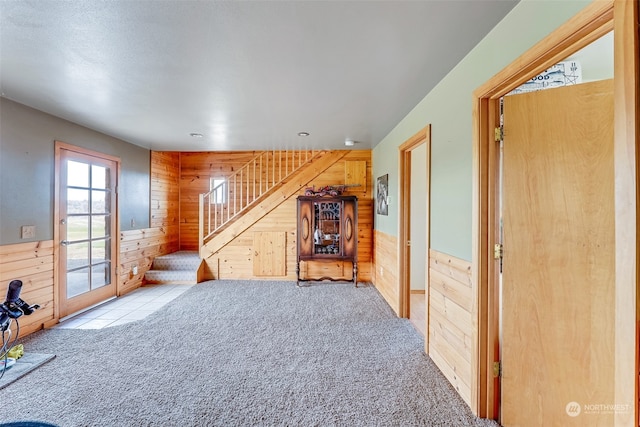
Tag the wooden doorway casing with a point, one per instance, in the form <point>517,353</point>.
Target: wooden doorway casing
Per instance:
<point>404,169</point>
<point>597,19</point>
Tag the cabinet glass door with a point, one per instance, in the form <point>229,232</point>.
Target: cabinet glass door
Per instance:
<point>326,235</point>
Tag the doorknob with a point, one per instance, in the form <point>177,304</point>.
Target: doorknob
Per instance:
<point>64,243</point>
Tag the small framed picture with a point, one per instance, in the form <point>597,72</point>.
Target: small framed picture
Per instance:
<point>382,195</point>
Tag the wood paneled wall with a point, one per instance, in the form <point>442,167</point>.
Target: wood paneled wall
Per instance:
<point>385,268</point>
<point>235,260</point>
<point>269,253</point>
<point>165,190</point>
<point>449,320</point>
<point>195,173</point>
<point>32,263</point>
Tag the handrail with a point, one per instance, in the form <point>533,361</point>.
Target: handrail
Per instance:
<point>245,186</point>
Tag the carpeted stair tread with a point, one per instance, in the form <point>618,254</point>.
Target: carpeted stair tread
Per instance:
<point>173,275</point>
<point>181,266</point>
<point>182,260</point>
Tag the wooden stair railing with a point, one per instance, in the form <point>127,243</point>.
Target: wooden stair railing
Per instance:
<point>278,194</point>
<point>246,186</point>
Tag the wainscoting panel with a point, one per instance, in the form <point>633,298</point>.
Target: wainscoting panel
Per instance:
<point>32,263</point>
<point>385,268</point>
<point>450,322</point>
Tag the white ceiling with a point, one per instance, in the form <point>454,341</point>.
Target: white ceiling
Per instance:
<point>245,74</point>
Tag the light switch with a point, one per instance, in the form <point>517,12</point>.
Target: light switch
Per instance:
<point>28,231</point>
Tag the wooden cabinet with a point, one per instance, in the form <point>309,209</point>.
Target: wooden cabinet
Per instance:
<point>327,231</point>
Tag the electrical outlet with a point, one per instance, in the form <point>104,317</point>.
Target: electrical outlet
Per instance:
<point>134,269</point>
<point>381,272</point>
<point>28,231</point>
<point>133,222</point>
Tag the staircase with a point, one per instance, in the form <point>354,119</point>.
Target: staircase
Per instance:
<point>182,267</point>
<point>254,191</point>
<point>246,187</point>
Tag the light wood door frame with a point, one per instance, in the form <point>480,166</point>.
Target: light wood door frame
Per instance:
<point>115,256</point>
<point>597,19</point>
<point>404,256</point>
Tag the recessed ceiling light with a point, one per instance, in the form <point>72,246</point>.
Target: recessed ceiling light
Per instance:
<point>303,134</point>
<point>196,135</point>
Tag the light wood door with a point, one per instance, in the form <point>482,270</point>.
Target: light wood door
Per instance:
<point>558,272</point>
<point>87,227</point>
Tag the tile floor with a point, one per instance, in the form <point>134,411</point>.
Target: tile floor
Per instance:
<point>133,306</point>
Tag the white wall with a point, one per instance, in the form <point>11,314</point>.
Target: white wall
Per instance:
<point>418,200</point>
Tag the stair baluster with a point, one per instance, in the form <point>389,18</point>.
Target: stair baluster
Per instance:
<point>242,189</point>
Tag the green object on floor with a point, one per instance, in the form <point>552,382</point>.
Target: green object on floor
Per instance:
<point>17,351</point>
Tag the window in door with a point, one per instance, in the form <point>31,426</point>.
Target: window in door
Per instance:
<point>88,227</point>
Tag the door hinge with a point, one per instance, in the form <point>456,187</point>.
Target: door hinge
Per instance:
<point>497,369</point>
<point>498,133</point>
<point>497,251</point>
